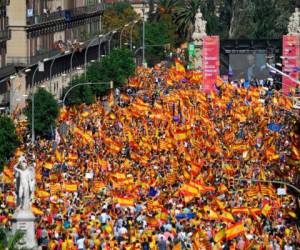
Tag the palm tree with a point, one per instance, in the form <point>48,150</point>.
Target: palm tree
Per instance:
<point>166,6</point>
<point>10,241</point>
<point>185,17</point>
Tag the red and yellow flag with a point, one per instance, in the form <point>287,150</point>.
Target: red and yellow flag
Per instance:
<point>71,187</point>
<point>235,231</point>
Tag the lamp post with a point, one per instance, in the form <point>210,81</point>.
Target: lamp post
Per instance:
<point>71,60</point>
<point>122,31</point>
<point>99,46</point>
<point>32,101</point>
<point>131,32</point>
<point>109,41</point>
<point>86,83</point>
<point>86,51</point>
<point>52,63</point>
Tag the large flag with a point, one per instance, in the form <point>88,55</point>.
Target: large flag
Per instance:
<point>113,146</point>
<point>125,202</point>
<point>235,231</point>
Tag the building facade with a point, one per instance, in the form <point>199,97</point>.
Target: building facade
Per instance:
<point>4,31</point>
<point>43,28</point>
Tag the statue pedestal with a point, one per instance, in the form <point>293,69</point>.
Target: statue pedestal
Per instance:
<point>24,220</point>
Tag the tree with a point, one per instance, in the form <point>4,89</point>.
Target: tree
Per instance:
<point>45,112</point>
<point>116,67</point>
<point>156,34</point>
<point>10,241</point>
<point>79,94</point>
<point>264,18</point>
<point>185,17</point>
<point>8,140</point>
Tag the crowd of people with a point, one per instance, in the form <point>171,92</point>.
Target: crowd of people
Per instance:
<point>166,166</point>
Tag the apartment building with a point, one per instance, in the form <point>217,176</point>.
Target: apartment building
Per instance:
<point>43,28</point>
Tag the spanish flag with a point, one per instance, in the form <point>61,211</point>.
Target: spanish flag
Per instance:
<point>54,188</point>
<point>179,66</point>
<point>70,187</point>
<point>125,202</point>
<point>235,231</point>
<point>219,236</point>
<point>37,211</point>
<point>42,194</point>
<point>181,134</point>
<point>211,214</point>
<point>113,146</point>
<point>189,190</point>
<point>98,186</point>
<point>266,210</point>
<point>48,165</point>
<point>226,216</point>
<point>152,222</point>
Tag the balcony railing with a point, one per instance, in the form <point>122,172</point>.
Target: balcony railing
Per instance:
<point>66,15</point>
<point>17,60</point>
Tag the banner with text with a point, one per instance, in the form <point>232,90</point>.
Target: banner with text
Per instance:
<point>290,61</point>
<point>211,63</point>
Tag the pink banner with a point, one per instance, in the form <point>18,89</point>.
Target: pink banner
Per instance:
<point>290,61</point>
<point>211,45</point>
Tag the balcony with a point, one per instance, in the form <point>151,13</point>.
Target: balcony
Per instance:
<point>65,15</point>
<point>23,61</point>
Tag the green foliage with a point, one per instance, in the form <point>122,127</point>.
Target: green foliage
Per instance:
<point>116,67</point>
<point>8,140</point>
<point>9,241</point>
<point>116,16</point>
<point>119,7</point>
<point>184,17</point>
<point>45,111</point>
<point>264,18</point>
<point>80,94</point>
<point>156,33</point>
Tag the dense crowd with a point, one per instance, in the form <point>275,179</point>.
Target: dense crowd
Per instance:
<point>165,166</point>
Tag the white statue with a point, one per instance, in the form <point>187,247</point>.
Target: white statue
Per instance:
<point>200,27</point>
<point>198,36</point>
<point>25,183</point>
<point>294,24</point>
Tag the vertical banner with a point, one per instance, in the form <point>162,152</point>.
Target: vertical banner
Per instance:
<point>290,61</point>
<point>211,45</point>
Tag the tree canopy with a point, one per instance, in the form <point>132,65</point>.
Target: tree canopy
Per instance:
<point>8,140</point>
<point>45,112</point>
<point>118,66</point>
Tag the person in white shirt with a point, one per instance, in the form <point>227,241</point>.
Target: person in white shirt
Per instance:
<point>80,243</point>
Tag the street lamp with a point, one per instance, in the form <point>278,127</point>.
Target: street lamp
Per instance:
<point>86,83</point>
<point>125,26</point>
<point>131,31</point>
<point>109,41</point>
<point>71,60</point>
<point>99,46</point>
<point>86,51</point>
<point>52,63</point>
<point>32,102</point>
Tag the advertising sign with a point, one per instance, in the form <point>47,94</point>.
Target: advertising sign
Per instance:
<point>211,63</point>
<point>290,61</point>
